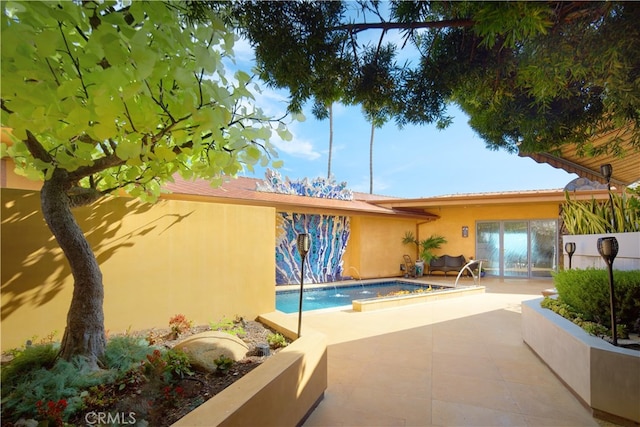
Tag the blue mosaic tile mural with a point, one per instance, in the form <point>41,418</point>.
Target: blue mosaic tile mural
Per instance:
<point>329,233</point>
<point>317,187</point>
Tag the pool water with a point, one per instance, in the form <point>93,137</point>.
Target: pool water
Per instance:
<point>330,297</point>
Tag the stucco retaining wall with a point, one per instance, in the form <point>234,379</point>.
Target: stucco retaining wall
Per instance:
<point>606,378</point>
<point>280,392</point>
<point>587,256</point>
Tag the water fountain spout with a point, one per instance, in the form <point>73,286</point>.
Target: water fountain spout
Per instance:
<point>360,280</point>
<point>357,272</point>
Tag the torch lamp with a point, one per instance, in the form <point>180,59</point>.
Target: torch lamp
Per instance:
<point>607,171</point>
<point>570,247</point>
<point>608,249</point>
<point>303,242</point>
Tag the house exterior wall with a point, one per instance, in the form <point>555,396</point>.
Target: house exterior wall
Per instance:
<point>9,179</point>
<point>375,246</point>
<point>453,218</point>
<point>204,260</point>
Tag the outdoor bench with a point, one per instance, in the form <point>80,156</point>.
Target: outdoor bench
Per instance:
<point>447,263</point>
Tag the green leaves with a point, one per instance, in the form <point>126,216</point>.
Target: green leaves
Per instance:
<point>594,217</point>
<point>531,75</point>
<point>130,97</point>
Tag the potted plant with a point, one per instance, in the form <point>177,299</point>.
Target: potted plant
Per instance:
<point>425,246</point>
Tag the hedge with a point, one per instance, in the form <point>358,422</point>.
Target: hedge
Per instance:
<point>587,292</point>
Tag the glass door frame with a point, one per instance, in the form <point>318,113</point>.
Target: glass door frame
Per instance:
<point>528,264</point>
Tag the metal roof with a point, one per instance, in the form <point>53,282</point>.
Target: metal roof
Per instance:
<point>626,165</point>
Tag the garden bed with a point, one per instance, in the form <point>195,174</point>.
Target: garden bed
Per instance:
<point>239,393</point>
<point>283,390</point>
<point>604,377</point>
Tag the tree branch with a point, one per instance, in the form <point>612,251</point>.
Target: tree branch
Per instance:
<point>98,165</point>
<point>36,149</point>
<point>356,28</point>
<point>75,61</point>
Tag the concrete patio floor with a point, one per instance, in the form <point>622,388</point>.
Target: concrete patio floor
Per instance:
<point>453,362</point>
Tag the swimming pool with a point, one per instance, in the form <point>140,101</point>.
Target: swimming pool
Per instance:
<point>331,297</point>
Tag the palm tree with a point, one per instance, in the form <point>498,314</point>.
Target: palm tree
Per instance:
<point>321,111</point>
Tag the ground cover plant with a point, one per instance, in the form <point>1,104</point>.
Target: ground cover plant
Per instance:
<point>143,378</point>
<point>583,297</point>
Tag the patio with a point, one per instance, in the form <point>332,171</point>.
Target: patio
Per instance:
<point>458,361</point>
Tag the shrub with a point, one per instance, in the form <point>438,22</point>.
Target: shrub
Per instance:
<point>223,363</point>
<point>167,364</point>
<point>32,358</point>
<point>276,340</point>
<point>568,313</point>
<point>43,383</point>
<point>178,364</point>
<point>587,292</point>
<point>232,327</point>
<point>38,385</point>
<point>122,353</point>
<point>180,324</point>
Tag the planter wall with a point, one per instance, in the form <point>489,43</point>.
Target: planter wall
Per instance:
<point>282,391</point>
<point>587,255</point>
<point>402,300</point>
<point>606,378</point>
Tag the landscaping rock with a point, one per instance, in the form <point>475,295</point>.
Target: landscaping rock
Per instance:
<point>205,347</point>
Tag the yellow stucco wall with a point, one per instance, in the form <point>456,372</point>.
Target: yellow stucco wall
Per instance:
<point>375,246</point>
<point>206,261</point>
<point>9,179</point>
<point>453,218</point>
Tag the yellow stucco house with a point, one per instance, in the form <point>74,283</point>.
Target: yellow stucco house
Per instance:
<point>212,253</point>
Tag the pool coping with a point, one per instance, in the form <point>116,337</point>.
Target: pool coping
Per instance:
<point>377,303</point>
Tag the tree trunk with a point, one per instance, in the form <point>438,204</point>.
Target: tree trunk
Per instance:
<point>84,334</point>
<point>373,127</point>
<point>330,139</point>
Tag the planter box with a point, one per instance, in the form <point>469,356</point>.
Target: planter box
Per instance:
<point>282,391</point>
<point>402,300</point>
<point>587,255</point>
<point>606,378</point>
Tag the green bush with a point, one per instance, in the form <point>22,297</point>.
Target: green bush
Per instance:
<point>587,292</point>
<point>123,352</point>
<point>62,381</point>
<point>232,327</point>
<point>32,358</point>
<point>37,375</point>
<point>276,340</point>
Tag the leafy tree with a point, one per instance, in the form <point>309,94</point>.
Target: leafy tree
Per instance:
<point>303,59</point>
<point>101,97</point>
<point>531,75</point>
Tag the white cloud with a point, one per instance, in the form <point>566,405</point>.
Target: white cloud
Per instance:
<point>297,147</point>
<point>273,102</point>
<point>244,52</point>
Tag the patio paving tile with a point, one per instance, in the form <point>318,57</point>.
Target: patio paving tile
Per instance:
<point>442,363</point>
<point>460,414</point>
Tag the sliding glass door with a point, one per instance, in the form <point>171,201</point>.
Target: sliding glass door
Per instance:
<point>488,246</point>
<point>518,248</point>
<point>544,247</point>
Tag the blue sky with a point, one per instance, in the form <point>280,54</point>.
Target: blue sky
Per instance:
<point>412,162</point>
